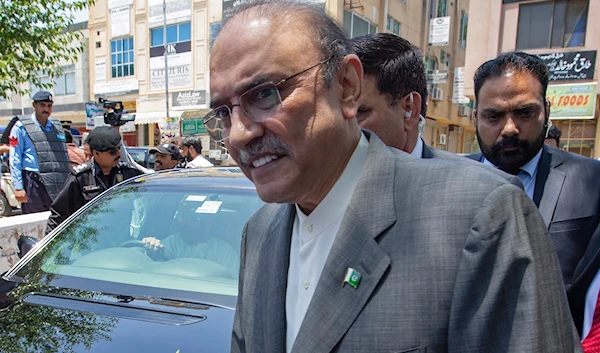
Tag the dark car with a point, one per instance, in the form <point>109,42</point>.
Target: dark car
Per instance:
<point>142,156</point>
<point>93,284</point>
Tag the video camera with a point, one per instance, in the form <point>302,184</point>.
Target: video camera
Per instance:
<point>115,115</point>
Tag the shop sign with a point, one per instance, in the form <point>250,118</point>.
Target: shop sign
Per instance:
<point>576,101</point>
<point>180,66</point>
<point>116,88</point>
<point>437,76</point>
<point>188,98</point>
<point>458,96</point>
<point>577,65</point>
<point>177,11</point>
<point>193,127</point>
<point>439,31</point>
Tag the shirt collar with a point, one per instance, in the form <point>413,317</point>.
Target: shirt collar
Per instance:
<point>418,150</point>
<point>48,122</point>
<point>529,167</point>
<point>338,198</point>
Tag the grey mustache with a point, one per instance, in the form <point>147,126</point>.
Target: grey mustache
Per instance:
<point>269,144</point>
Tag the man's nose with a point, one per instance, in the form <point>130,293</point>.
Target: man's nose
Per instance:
<point>510,127</point>
<point>243,129</point>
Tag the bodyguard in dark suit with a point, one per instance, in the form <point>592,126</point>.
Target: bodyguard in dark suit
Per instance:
<point>395,97</point>
<point>512,120</point>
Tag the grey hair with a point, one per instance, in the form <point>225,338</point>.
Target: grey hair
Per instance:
<point>331,39</point>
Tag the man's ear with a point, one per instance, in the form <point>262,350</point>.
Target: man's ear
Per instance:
<point>350,78</point>
<point>411,104</point>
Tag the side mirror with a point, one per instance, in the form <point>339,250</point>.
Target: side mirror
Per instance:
<point>25,244</point>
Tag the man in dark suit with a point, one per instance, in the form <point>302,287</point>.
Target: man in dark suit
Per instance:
<point>395,97</point>
<point>512,119</point>
<point>357,234</point>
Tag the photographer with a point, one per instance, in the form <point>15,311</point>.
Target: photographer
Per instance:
<point>90,179</point>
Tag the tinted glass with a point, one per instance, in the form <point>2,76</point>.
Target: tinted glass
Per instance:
<point>199,230</point>
<point>156,37</point>
<point>534,25</point>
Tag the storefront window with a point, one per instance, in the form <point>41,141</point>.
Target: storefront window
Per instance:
<point>578,136</point>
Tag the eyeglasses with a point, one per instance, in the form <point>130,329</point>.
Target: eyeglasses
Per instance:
<point>258,103</point>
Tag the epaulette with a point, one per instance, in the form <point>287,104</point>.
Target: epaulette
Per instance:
<point>123,165</point>
<point>82,168</point>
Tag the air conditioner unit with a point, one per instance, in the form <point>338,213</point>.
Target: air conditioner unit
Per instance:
<point>441,139</point>
<point>464,110</point>
<point>437,94</point>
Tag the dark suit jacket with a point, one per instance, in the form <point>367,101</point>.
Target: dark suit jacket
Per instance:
<point>567,192</point>
<point>452,260</point>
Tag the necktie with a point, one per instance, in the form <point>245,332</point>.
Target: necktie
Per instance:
<point>591,344</point>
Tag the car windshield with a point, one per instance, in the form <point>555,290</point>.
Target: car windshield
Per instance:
<point>176,237</point>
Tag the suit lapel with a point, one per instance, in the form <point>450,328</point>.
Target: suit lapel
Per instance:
<point>427,151</point>
<point>274,266</point>
<point>548,184</point>
<point>477,156</point>
<point>335,307</point>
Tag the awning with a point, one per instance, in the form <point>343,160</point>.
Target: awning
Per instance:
<point>154,117</point>
<point>194,114</point>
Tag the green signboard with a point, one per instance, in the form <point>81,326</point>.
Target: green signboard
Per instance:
<point>193,127</point>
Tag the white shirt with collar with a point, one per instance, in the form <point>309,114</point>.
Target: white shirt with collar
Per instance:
<point>528,173</point>
<point>418,150</point>
<point>199,162</point>
<point>312,240</point>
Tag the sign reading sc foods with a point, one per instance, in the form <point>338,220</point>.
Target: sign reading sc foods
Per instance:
<point>576,101</point>
<point>577,65</point>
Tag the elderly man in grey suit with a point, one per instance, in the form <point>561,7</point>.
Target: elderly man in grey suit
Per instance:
<point>365,248</point>
<point>512,120</point>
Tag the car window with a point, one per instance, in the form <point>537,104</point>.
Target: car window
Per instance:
<point>138,155</point>
<point>197,233</point>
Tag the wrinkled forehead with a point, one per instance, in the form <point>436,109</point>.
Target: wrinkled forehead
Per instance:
<point>251,50</point>
<point>513,88</point>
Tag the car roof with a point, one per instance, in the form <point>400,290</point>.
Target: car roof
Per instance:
<point>213,176</point>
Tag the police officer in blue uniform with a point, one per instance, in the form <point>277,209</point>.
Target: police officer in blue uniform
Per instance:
<point>39,162</point>
<point>90,179</point>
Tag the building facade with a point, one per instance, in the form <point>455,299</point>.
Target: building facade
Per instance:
<point>439,29</point>
<point>70,91</point>
<point>561,33</point>
<point>127,62</point>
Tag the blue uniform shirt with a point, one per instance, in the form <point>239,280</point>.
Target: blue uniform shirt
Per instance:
<point>22,152</point>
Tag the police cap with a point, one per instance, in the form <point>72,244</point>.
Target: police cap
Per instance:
<point>103,138</point>
<point>42,96</point>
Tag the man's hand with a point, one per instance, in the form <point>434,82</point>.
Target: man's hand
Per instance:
<point>21,196</point>
<point>152,243</point>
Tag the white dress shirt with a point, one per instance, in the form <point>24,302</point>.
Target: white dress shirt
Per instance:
<point>199,162</point>
<point>590,305</point>
<point>312,240</point>
<point>418,150</point>
<point>528,173</point>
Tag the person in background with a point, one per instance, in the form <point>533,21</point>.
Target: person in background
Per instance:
<point>76,154</point>
<point>512,121</point>
<point>86,151</point>
<point>166,156</point>
<point>90,179</point>
<point>553,137</point>
<point>192,149</point>
<point>39,160</point>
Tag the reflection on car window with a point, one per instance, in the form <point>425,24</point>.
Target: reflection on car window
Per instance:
<point>153,236</point>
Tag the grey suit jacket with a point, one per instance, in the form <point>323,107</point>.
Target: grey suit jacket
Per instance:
<point>452,260</point>
<point>567,192</point>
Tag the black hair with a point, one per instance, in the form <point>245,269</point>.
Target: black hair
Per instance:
<point>68,136</point>
<point>554,133</point>
<point>396,64</point>
<point>192,141</point>
<point>330,38</point>
<point>516,62</point>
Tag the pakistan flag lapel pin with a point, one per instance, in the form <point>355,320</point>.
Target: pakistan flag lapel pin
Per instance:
<point>352,278</point>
